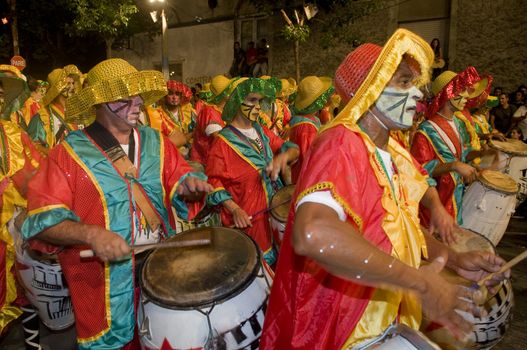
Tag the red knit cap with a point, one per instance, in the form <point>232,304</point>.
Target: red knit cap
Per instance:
<point>177,86</point>
<point>353,70</point>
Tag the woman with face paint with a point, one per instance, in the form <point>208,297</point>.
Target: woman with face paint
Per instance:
<point>245,161</point>
<point>49,126</point>
<point>174,117</point>
<point>445,142</point>
<point>350,262</point>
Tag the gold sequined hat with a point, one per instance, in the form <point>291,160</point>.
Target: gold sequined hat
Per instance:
<point>288,87</point>
<point>57,82</point>
<point>111,80</point>
<point>15,87</point>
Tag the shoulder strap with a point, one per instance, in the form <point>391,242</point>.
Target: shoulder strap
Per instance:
<point>111,147</point>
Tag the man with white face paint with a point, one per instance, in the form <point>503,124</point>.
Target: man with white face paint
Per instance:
<point>245,161</point>
<point>446,142</point>
<point>49,126</point>
<point>350,262</point>
<point>104,188</point>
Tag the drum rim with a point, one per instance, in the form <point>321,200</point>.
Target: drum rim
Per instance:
<point>490,186</point>
<point>272,212</point>
<point>243,286</point>
<point>496,146</point>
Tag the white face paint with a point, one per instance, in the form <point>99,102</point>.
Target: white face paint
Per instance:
<point>399,105</point>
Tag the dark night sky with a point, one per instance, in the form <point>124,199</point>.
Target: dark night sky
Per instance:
<point>44,41</point>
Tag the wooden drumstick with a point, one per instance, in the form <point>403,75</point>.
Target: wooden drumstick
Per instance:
<point>88,253</point>
<point>480,298</point>
<point>266,210</point>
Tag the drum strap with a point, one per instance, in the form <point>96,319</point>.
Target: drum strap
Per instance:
<point>113,150</point>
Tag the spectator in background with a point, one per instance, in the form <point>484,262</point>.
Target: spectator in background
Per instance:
<point>501,116</point>
<point>250,58</point>
<point>515,134</point>
<point>519,98</point>
<point>439,62</point>
<point>262,61</point>
<point>498,90</point>
<point>238,61</point>
<point>519,118</point>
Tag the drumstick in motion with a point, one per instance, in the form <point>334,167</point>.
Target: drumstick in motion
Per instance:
<point>480,298</point>
<point>260,212</point>
<point>88,253</point>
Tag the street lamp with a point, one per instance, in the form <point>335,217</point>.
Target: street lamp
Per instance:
<point>160,6</point>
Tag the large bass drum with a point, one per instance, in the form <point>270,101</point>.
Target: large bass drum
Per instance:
<point>211,296</point>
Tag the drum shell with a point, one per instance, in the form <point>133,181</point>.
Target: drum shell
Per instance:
<point>45,288</point>
<point>487,211</point>
<point>488,330</point>
<point>236,319</point>
<point>207,217</point>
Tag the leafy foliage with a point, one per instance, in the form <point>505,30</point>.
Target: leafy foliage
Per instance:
<point>296,32</point>
<point>105,17</point>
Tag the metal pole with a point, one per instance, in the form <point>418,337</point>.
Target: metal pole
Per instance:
<point>164,43</point>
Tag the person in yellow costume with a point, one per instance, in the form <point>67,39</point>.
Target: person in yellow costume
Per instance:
<point>350,268</point>
<point>32,105</point>
<point>48,127</point>
<point>19,159</point>
<point>174,117</point>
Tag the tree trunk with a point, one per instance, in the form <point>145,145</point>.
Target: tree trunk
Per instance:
<point>14,27</point>
<point>297,61</point>
<point>109,42</point>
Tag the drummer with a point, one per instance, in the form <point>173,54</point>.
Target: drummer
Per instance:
<point>20,161</point>
<point>446,142</point>
<point>88,196</point>
<point>349,266</point>
<point>245,161</point>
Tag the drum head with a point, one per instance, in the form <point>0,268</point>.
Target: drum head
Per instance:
<point>467,241</point>
<point>498,181</point>
<point>511,146</point>
<point>190,277</point>
<point>284,196</point>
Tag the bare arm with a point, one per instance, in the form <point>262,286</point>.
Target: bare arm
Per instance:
<point>441,221</point>
<point>341,250</point>
<point>240,217</point>
<point>468,172</point>
<point>107,245</point>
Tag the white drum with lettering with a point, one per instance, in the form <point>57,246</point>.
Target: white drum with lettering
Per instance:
<point>43,281</point>
<point>487,330</point>
<point>209,297</point>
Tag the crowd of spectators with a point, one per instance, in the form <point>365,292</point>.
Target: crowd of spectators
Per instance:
<point>252,62</point>
<point>510,116</point>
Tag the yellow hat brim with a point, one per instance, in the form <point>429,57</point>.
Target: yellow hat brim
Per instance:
<point>150,85</point>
